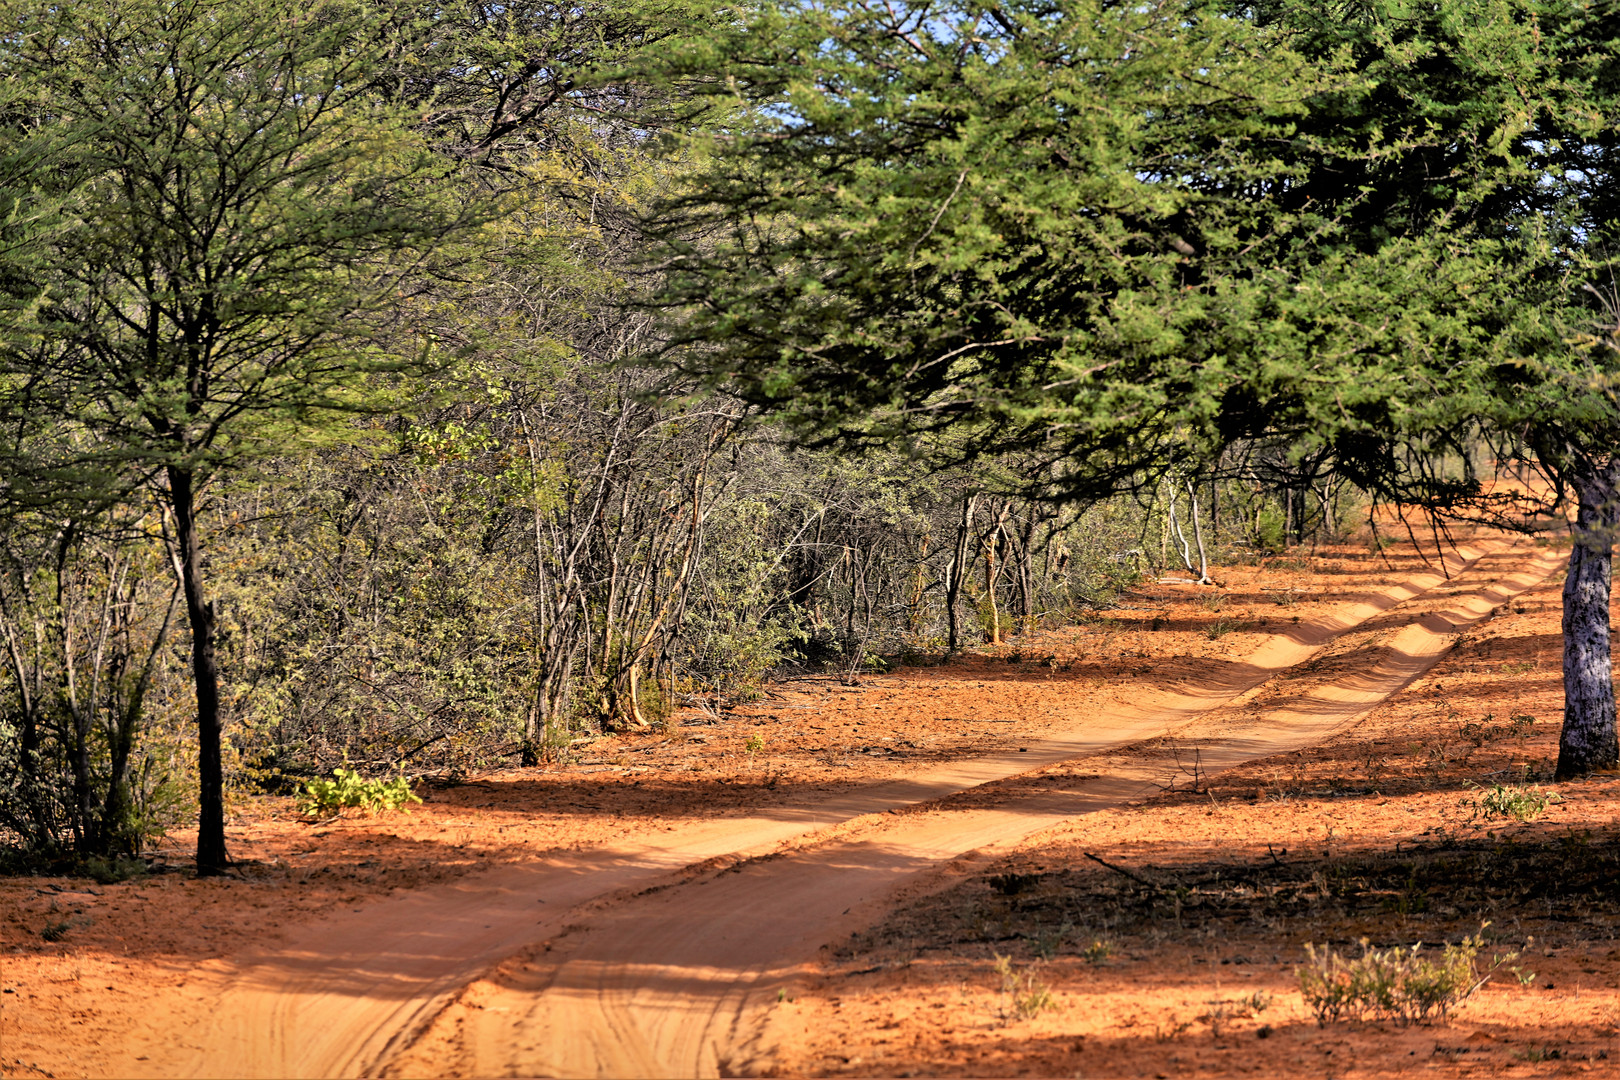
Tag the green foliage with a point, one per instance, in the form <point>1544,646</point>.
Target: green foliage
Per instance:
<point>347,789</point>
<point>1396,983</point>
<point>266,240</point>
<point>1521,802</point>
<point>111,871</point>
<point>1014,223</point>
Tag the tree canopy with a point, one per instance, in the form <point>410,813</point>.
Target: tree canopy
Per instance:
<point>1025,223</point>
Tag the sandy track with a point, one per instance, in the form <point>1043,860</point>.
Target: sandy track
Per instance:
<point>661,984</point>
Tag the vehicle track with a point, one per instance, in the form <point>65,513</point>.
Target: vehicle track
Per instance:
<point>665,979</point>
<point>679,982</point>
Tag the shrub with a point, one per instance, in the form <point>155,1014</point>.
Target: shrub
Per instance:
<point>1025,993</point>
<point>1399,984</point>
<point>1519,802</point>
<point>348,789</point>
<point>111,871</point>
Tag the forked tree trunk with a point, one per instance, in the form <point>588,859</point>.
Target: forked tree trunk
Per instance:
<point>211,857</point>
<point>1588,741</point>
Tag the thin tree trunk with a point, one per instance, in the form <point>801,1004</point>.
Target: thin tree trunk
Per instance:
<point>1198,532</point>
<point>211,856</point>
<point>992,570</point>
<point>958,571</point>
<point>1588,741</point>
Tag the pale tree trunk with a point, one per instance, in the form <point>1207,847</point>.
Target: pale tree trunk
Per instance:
<point>1588,741</point>
<point>992,570</point>
<point>1198,533</point>
<point>958,571</point>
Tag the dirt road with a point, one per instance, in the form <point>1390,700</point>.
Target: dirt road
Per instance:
<point>661,957</point>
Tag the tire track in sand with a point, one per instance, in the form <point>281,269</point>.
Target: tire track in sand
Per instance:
<point>350,992</point>
<point>679,982</point>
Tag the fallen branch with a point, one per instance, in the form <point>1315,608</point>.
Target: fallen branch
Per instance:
<point>1122,871</point>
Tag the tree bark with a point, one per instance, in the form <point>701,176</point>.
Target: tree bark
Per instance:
<point>211,856</point>
<point>1588,741</point>
<point>958,571</point>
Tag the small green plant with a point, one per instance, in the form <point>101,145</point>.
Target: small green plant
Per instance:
<point>111,871</point>
<point>1098,951</point>
<point>349,790</point>
<point>1521,802</point>
<point>55,931</point>
<point>1025,994</point>
<point>1399,984</point>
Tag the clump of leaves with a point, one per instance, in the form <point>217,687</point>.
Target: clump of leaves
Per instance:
<point>1025,993</point>
<point>347,789</point>
<point>111,871</point>
<point>1521,802</point>
<point>1485,729</point>
<point>1046,943</point>
<point>55,931</point>
<point>1399,983</point>
<point>1244,1008</point>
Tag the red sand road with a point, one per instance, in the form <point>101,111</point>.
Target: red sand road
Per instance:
<point>662,982</point>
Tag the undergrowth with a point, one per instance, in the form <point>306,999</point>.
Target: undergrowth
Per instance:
<point>1400,984</point>
<point>1025,994</point>
<point>347,789</point>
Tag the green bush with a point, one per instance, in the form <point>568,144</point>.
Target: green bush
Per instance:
<point>1519,802</point>
<point>349,790</point>
<point>111,871</point>
<point>1399,984</point>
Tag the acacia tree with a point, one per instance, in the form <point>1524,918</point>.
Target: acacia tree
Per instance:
<point>1130,235</point>
<point>1444,312</point>
<point>241,217</point>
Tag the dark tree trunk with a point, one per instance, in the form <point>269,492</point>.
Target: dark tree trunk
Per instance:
<point>211,857</point>
<point>1588,741</point>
